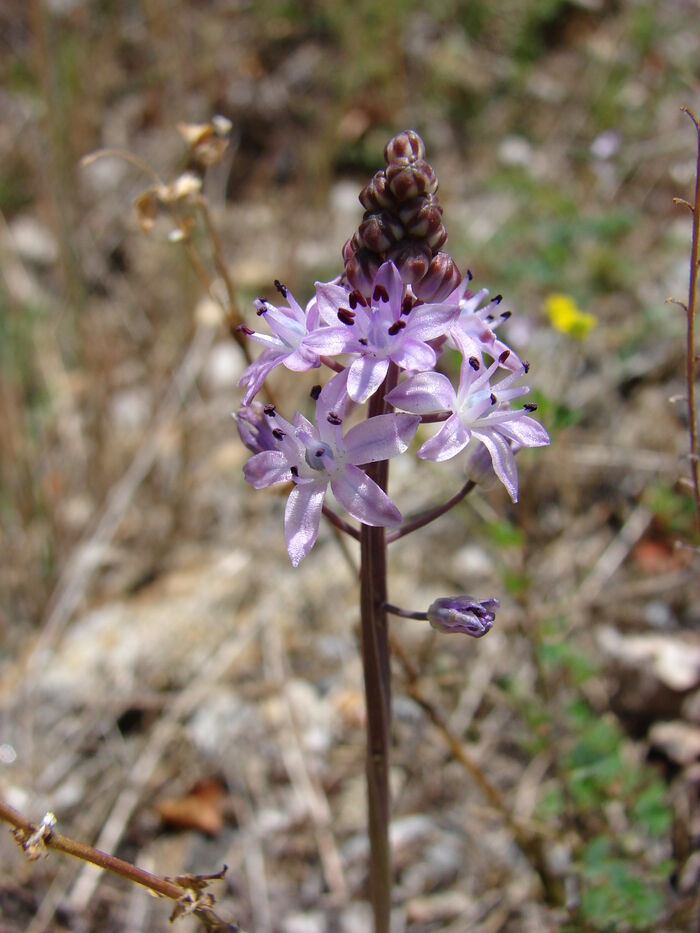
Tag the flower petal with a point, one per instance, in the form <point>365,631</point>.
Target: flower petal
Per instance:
<point>365,376</point>
<point>503,460</point>
<point>302,518</point>
<point>524,430</point>
<point>450,440</point>
<point>331,340</point>
<point>267,468</point>
<point>424,393</point>
<point>331,405</point>
<point>426,322</point>
<point>389,278</point>
<point>414,355</point>
<point>363,499</point>
<point>257,373</point>
<point>380,438</point>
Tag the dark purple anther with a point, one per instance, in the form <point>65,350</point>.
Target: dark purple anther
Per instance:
<point>396,327</point>
<point>474,363</point>
<point>315,392</point>
<point>346,316</point>
<point>282,289</point>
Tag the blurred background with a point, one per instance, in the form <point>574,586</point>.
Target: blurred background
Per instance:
<point>169,687</point>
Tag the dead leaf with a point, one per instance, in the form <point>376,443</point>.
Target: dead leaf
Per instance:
<point>202,808</point>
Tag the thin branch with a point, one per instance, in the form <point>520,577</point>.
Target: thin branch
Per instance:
<point>431,514</point>
<point>34,840</point>
<point>405,613</point>
<point>690,332</point>
<point>340,523</point>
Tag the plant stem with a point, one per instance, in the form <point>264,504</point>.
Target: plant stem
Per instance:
<point>431,514</point>
<point>377,675</point>
<point>690,332</point>
<point>24,831</point>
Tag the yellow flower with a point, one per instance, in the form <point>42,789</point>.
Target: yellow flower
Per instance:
<point>565,316</point>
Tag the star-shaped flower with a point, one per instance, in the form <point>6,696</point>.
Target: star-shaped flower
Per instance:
<point>312,457</point>
<point>391,327</point>
<point>478,409</point>
<point>289,344</point>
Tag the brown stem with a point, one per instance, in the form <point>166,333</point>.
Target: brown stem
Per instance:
<point>377,675</point>
<point>25,832</point>
<point>430,514</point>
<point>340,523</point>
<point>690,359</point>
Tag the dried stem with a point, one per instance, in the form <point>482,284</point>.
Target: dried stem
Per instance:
<point>529,841</point>
<point>33,840</point>
<point>690,358</point>
<point>377,675</point>
<point>430,514</point>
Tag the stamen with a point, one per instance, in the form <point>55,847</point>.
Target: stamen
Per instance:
<point>294,471</point>
<point>278,434</point>
<point>503,357</point>
<point>474,363</point>
<point>270,411</point>
<point>364,341</point>
<point>333,418</point>
<point>282,289</point>
<point>320,452</point>
<point>489,318</point>
<point>526,366</point>
<point>530,406</point>
<point>407,305</point>
<point>357,298</point>
<point>469,275</point>
<point>380,293</point>
<point>346,316</point>
<point>396,327</point>
<point>493,399</point>
<point>245,330</point>
<point>315,392</point>
<point>506,315</point>
<point>498,299</point>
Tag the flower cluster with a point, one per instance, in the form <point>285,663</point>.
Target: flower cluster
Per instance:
<point>381,327</point>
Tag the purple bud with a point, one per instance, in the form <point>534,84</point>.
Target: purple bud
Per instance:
<point>410,179</point>
<point>463,614</point>
<point>254,428</point>
<point>361,270</point>
<point>442,277</point>
<point>349,249</point>
<point>407,145</point>
<point>380,231</point>
<point>421,217</point>
<point>412,259</point>
<point>376,195</point>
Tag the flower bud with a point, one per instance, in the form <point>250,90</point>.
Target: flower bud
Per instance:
<point>442,277</point>
<point>350,248</point>
<point>422,217</point>
<point>380,231</point>
<point>407,145</point>
<point>254,427</point>
<point>376,195</point>
<point>361,270</point>
<point>411,259</point>
<point>463,614</point>
<point>409,179</point>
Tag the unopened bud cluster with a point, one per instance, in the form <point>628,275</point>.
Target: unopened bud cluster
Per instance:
<point>403,223</point>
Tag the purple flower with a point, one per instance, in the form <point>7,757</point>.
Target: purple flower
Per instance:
<point>463,614</point>
<point>289,343</point>
<point>478,409</point>
<point>312,457</point>
<point>388,328</point>
<point>473,330</point>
